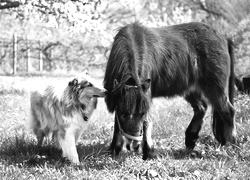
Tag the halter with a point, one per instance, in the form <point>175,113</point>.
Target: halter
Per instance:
<point>136,138</point>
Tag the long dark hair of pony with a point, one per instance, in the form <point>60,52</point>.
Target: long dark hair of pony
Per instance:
<point>217,120</point>
<point>121,66</point>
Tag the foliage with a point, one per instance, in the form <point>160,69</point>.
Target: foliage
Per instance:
<point>82,31</point>
<point>242,39</point>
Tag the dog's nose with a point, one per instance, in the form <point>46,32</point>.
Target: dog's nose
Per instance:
<point>105,91</point>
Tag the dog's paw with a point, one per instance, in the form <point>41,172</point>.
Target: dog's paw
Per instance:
<point>75,160</point>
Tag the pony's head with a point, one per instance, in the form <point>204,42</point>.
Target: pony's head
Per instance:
<point>131,103</point>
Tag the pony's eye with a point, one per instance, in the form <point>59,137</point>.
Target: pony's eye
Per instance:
<point>121,115</point>
<point>125,116</point>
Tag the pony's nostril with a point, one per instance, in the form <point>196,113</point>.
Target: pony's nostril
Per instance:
<point>128,147</point>
<point>136,148</point>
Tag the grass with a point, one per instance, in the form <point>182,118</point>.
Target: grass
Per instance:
<point>21,159</point>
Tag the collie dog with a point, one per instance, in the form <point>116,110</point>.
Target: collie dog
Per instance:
<point>64,111</point>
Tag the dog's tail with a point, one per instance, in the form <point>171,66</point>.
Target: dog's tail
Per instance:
<point>33,119</point>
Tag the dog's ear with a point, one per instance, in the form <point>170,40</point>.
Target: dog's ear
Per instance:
<point>145,85</point>
<point>74,82</point>
<point>86,71</point>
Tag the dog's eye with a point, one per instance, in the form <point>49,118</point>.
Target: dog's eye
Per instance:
<point>89,85</point>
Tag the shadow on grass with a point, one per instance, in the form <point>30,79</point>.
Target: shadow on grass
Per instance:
<point>178,154</point>
<point>25,153</point>
<point>20,151</point>
<point>205,144</point>
<point>207,148</point>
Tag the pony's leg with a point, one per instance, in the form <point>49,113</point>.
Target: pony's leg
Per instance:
<point>199,107</point>
<point>223,121</point>
<point>117,141</point>
<point>147,144</point>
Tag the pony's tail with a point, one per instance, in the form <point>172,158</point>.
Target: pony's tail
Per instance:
<point>232,75</point>
<point>217,119</point>
<point>239,84</point>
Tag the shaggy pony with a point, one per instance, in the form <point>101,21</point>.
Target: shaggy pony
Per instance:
<point>192,60</point>
<point>64,111</point>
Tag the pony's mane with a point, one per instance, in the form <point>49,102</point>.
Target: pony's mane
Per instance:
<point>131,95</point>
<point>125,65</point>
<point>135,101</point>
<point>123,60</point>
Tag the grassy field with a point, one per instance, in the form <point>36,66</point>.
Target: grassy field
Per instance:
<point>21,159</point>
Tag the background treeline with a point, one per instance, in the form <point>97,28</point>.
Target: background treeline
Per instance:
<point>71,35</point>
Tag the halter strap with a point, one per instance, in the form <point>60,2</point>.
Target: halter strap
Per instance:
<point>136,138</point>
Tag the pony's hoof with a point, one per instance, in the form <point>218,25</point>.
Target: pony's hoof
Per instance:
<point>188,150</point>
<point>190,140</point>
<point>189,147</point>
<point>115,152</point>
<point>150,155</point>
<point>233,140</point>
<point>225,140</point>
<point>190,153</point>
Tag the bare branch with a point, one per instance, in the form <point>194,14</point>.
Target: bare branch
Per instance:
<point>2,55</point>
<point>49,46</point>
<point>209,11</point>
<point>9,4</point>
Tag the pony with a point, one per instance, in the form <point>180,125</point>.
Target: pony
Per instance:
<point>243,84</point>
<point>64,110</point>
<point>192,60</point>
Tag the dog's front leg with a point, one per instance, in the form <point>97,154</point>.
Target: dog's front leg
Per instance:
<point>67,142</point>
<point>117,141</point>
<point>147,144</point>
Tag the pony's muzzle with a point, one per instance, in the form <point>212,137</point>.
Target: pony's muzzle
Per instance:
<point>132,145</point>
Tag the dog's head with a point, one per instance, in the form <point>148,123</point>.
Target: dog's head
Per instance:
<point>86,87</point>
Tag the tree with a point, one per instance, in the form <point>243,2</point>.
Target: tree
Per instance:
<point>85,28</point>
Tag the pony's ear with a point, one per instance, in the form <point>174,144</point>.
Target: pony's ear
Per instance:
<point>74,82</point>
<point>146,84</point>
<point>86,71</point>
<point>115,84</point>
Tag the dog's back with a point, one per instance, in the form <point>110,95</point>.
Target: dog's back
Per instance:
<point>44,108</point>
